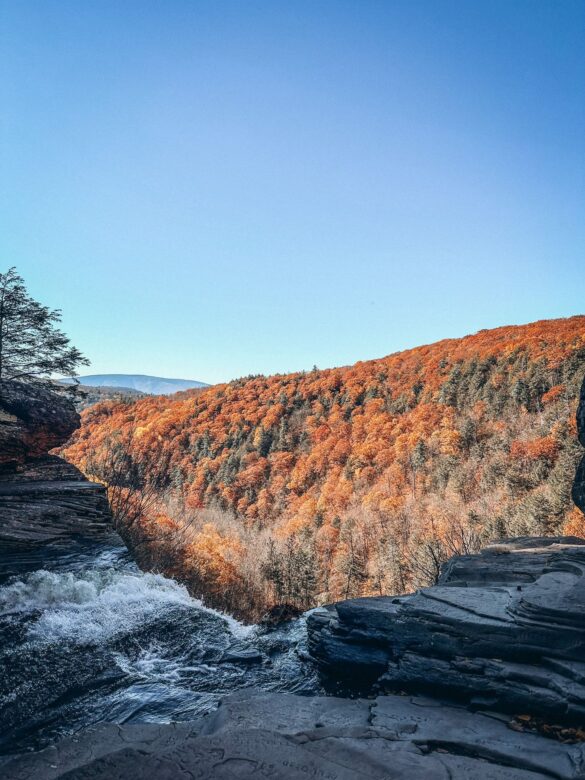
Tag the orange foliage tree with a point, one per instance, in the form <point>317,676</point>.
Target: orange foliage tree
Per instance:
<point>377,471</point>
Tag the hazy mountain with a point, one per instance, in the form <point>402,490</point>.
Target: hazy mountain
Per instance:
<point>89,395</point>
<point>146,384</point>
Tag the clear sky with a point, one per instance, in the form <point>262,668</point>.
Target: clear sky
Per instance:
<point>212,189</point>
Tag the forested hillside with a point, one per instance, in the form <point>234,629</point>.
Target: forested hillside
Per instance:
<point>309,487</point>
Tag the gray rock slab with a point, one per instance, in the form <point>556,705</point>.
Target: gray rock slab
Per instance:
<point>516,645</point>
<point>48,502</point>
<point>82,749</point>
<point>457,731</point>
<point>287,713</point>
<point>276,736</point>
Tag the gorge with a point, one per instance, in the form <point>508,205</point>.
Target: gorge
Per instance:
<point>109,672</point>
<point>357,481</point>
<point>85,636</point>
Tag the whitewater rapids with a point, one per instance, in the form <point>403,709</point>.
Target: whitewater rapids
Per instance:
<point>89,637</point>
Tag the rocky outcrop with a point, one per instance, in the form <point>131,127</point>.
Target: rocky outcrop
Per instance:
<point>43,499</point>
<point>579,484</point>
<point>33,420</point>
<point>503,630</point>
<point>286,736</point>
<point>49,501</point>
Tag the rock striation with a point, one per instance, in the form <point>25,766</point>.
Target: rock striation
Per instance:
<point>33,420</point>
<point>282,736</point>
<point>44,501</point>
<point>503,630</point>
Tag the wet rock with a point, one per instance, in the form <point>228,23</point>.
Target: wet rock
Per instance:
<point>33,420</point>
<point>286,736</point>
<point>504,629</point>
<point>49,502</point>
<point>71,753</point>
<point>235,655</point>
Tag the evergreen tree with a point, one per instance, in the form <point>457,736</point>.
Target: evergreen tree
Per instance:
<point>31,346</point>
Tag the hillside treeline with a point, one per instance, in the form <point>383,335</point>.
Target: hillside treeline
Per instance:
<point>314,486</point>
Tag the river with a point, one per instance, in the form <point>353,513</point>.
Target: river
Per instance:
<point>85,637</point>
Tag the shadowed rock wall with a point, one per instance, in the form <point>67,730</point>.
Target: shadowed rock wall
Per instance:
<point>43,499</point>
<point>33,420</point>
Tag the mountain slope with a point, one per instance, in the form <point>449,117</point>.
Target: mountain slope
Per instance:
<point>90,395</point>
<point>316,486</point>
<point>154,385</point>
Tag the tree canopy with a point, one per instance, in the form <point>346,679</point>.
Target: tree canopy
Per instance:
<point>368,476</point>
<point>32,348</point>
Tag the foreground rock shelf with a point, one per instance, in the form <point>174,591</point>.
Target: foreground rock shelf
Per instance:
<point>503,630</point>
<point>286,736</point>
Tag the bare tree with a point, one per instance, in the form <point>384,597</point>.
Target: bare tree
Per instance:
<point>130,493</point>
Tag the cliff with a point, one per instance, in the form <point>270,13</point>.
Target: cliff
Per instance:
<point>33,420</point>
<point>44,501</point>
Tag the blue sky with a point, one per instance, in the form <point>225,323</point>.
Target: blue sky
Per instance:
<point>212,189</point>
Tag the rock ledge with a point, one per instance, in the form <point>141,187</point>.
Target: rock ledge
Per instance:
<point>503,630</point>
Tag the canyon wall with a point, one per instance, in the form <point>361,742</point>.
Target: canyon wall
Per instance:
<point>44,501</point>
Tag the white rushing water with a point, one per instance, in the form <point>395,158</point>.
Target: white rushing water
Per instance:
<point>89,638</point>
<point>97,605</point>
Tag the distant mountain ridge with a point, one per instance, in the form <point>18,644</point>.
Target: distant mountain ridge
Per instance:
<point>155,385</point>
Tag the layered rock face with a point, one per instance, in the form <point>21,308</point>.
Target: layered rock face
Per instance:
<point>503,630</point>
<point>33,420</point>
<point>43,499</point>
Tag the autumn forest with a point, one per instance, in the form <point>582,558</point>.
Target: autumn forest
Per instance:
<point>305,488</point>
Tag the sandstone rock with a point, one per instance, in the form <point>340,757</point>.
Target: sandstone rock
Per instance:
<point>33,420</point>
<point>504,629</point>
<point>286,736</point>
